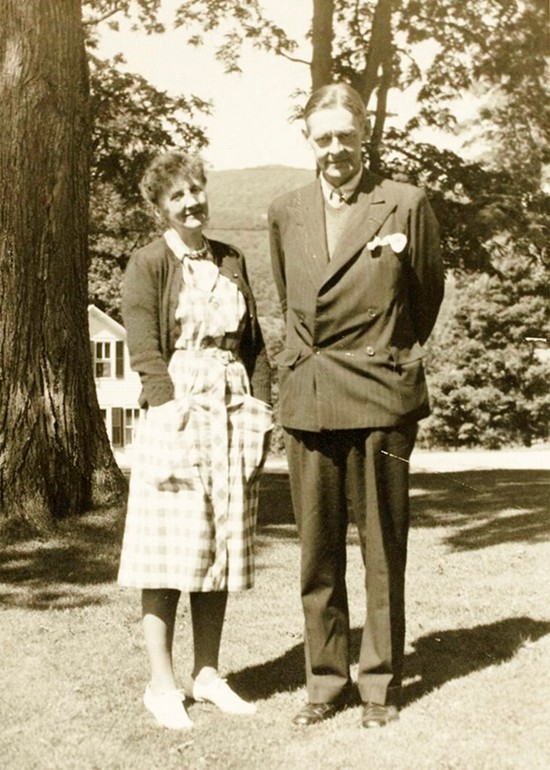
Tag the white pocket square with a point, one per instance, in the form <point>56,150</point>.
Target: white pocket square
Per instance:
<point>397,241</point>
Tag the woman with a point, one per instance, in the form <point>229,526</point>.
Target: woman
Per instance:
<point>194,338</point>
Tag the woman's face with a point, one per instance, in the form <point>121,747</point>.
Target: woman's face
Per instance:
<point>184,205</point>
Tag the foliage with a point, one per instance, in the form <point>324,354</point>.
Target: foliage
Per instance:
<point>494,49</point>
<point>489,382</point>
<point>131,120</point>
<point>144,13</point>
<point>247,21</point>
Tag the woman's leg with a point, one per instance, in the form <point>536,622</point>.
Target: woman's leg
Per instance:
<point>159,615</point>
<point>207,615</point>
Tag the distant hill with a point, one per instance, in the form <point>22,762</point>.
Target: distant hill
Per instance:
<point>239,198</point>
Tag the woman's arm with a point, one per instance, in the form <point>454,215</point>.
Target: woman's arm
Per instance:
<point>140,311</point>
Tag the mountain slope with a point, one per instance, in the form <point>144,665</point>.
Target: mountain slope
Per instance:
<point>239,198</point>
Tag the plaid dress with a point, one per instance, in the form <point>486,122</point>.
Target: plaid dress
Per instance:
<point>194,489</point>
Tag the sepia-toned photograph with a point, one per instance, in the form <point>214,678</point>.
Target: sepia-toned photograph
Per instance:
<point>275,384</point>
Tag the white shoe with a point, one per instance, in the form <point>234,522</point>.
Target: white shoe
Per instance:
<point>167,708</point>
<point>214,689</point>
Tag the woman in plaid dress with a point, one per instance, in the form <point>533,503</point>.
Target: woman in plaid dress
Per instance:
<point>195,340</point>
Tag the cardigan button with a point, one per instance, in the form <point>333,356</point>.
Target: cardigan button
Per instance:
<point>370,351</point>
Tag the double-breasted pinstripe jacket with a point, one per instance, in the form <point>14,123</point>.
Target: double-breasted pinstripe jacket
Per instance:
<point>355,324</point>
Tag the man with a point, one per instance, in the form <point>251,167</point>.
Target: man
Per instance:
<point>357,265</point>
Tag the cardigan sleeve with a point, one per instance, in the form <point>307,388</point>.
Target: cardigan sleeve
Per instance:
<point>252,348</point>
<point>141,297</point>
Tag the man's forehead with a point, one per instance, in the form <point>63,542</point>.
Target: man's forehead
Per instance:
<point>332,120</point>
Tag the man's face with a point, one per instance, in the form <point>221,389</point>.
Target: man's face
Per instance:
<point>335,136</point>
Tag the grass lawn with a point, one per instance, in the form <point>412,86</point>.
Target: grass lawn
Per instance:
<point>477,689</point>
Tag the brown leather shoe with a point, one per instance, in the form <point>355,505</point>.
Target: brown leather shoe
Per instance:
<point>313,713</point>
<point>376,715</point>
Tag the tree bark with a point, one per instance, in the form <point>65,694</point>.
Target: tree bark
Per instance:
<point>55,457</point>
<point>379,52</point>
<point>322,33</point>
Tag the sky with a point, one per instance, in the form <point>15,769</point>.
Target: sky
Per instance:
<point>250,122</point>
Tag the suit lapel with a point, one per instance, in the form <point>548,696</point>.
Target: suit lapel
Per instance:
<point>311,221</point>
<point>367,216</point>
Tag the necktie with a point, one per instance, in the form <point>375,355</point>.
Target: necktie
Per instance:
<point>337,197</point>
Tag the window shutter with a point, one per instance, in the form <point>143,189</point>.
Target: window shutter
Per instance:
<point>117,422</point>
<point>119,370</point>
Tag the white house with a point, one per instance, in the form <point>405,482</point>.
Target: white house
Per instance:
<point>118,387</point>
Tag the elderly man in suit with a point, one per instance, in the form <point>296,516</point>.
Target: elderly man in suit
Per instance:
<point>357,266</point>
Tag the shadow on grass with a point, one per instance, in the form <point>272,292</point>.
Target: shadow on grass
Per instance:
<point>487,507</point>
<point>53,574</point>
<point>452,654</point>
<point>480,508</point>
<point>436,659</point>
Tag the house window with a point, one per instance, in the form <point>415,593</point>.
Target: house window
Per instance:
<point>131,419</point>
<point>109,359</point>
<point>102,359</point>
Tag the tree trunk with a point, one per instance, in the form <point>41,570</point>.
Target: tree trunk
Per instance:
<point>55,458</point>
<point>380,51</point>
<point>322,33</point>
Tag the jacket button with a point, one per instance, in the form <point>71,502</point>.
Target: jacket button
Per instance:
<point>370,351</point>
<point>316,350</point>
<point>371,312</point>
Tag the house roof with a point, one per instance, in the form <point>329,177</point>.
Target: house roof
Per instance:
<point>102,318</point>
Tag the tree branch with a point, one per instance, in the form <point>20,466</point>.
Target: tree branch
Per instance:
<point>379,49</point>
<point>293,58</point>
<point>90,22</point>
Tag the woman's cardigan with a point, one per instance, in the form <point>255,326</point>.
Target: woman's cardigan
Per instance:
<point>151,288</point>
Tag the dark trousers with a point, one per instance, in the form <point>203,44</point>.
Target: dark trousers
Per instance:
<point>366,473</point>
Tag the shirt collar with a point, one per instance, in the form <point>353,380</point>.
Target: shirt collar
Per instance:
<point>176,244</point>
<point>346,189</point>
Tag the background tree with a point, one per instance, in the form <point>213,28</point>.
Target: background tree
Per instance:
<point>55,458</point>
<point>493,390</point>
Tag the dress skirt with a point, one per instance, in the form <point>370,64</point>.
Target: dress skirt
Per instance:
<point>193,498</point>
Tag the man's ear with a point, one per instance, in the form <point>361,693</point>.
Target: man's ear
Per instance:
<point>367,130</point>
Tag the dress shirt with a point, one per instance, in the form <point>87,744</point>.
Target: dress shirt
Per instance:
<point>337,196</point>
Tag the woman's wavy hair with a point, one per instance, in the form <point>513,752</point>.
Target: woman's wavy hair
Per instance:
<point>164,168</point>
